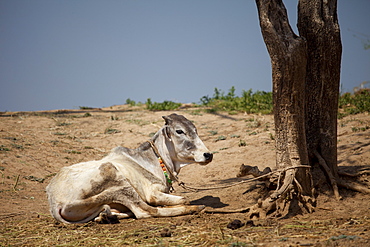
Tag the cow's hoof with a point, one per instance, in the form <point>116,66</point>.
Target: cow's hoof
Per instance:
<point>197,208</point>
<point>104,218</point>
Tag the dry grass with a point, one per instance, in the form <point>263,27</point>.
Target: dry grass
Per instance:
<point>31,153</point>
<point>195,230</point>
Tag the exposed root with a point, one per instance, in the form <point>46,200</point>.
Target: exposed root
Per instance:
<point>342,173</point>
<point>262,208</point>
<point>287,184</point>
<point>279,202</point>
<point>340,182</point>
<point>252,170</point>
<point>308,202</point>
<point>273,207</point>
<point>290,195</point>
<point>332,179</point>
<point>353,186</point>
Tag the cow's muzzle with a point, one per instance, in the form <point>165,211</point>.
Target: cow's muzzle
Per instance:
<point>208,157</point>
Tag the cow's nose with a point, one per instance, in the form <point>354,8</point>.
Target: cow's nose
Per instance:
<point>208,156</point>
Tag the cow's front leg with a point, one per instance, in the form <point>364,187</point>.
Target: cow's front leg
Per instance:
<point>158,198</point>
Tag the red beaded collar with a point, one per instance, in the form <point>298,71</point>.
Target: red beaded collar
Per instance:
<point>164,169</point>
<point>162,164</point>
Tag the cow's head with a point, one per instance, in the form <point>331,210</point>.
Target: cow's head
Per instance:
<point>186,144</point>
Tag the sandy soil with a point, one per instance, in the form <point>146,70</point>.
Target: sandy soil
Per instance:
<point>35,145</point>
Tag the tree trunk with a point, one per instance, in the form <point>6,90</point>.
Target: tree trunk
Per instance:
<point>305,75</point>
<point>288,53</point>
<point>318,23</point>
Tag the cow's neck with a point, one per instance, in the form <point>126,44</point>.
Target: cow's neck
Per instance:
<point>161,148</point>
<point>167,153</point>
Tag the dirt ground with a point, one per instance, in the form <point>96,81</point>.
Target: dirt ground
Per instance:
<point>35,145</point>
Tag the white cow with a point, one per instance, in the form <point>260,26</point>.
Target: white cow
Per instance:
<point>130,182</point>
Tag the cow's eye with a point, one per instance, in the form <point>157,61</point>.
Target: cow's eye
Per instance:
<point>180,132</point>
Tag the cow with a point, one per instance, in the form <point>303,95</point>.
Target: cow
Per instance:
<point>130,182</point>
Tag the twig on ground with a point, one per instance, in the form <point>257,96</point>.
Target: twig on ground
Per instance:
<point>16,183</point>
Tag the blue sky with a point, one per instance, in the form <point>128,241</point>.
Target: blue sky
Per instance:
<point>71,53</point>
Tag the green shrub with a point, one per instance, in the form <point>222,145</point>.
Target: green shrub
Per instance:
<point>354,103</point>
<point>164,106</point>
<point>130,102</point>
<point>258,102</point>
<point>261,102</point>
<point>86,108</point>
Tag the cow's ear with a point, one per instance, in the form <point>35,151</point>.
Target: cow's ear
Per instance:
<point>167,120</point>
<point>167,133</point>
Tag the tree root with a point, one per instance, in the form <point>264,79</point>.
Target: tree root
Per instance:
<point>331,177</point>
<point>278,203</point>
<point>252,170</point>
<point>342,173</point>
<point>308,202</point>
<point>287,185</point>
<point>353,186</point>
<point>340,182</point>
<point>289,194</point>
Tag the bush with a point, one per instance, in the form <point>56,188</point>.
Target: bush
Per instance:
<point>130,102</point>
<point>164,106</point>
<point>355,103</point>
<point>86,108</point>
<point>258,102</point>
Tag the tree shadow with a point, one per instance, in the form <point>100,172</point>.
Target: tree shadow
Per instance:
<point>210,201</point>
<point>356,145</point>
<point>354,169</point>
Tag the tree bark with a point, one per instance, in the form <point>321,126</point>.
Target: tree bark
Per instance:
<point>288,54</point>
<point>318,23</point>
